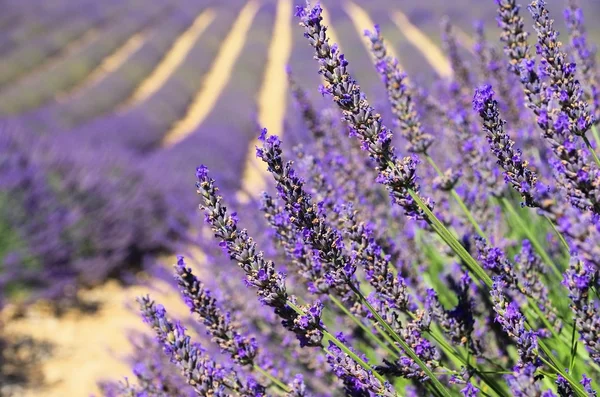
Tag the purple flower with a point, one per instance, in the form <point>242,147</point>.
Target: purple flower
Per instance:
<point>260,273</point>
<point>226,334</point>
<point>579,279</point>
<point>516,170</point>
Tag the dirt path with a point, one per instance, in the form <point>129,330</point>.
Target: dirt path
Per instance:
<point>107,66</point>
<point>272,99</point>
<point>172,59</point>
<point>432,53</point>
<point>217,77</point>
<point>361,21</point>
<point>87,347</point>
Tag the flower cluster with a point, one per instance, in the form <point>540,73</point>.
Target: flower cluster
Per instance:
<point>348,281</point>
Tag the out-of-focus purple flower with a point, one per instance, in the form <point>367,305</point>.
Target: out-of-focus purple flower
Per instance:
<point>523,381</point>
<point>365,123</point>
<point>529,269</point>
<point>580,278</point>
<point>509,316</point>
<point>516,170</point>
<point>225,333</point>
<point>494,260</point>
<point>585,55</point>
<point>357,380</point>
<point>462,75</point>
<point>457,323</point>
<point>399,95</point>
<point>260,273</point>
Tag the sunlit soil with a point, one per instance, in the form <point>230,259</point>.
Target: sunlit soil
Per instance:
<point>89,346</point>
<point>172,59</point>
<point>107,66</point>
<point>217,77</point>
<point>432,53</point>
<point>271,99</point>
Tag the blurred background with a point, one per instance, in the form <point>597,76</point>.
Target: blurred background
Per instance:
<point>106,108</point>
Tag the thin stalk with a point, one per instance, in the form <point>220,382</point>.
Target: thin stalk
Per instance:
<point>479,272</point>
<point>342,346</point>
<point>407,349</point>
<point>550,362</point>
<point>452,242</point>
<point>458,200</point>
<point>357,321</point>
<point>573,348</point>
<point>596,135</point>
<point>531,236</point>
<point>273,379</point>
<point>591,149</point>
<point>559,234</point>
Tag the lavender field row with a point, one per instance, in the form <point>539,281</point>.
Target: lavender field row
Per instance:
<point>118,119</point>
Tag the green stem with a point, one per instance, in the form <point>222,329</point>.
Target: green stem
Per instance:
<point>273,379</point>
<point>407,349</point>
<point>591,149</point>
<point>452,242</point>
<point>458,200</point>
<point>451,351</point>
<point>531,236</point>
<point>478,270</point>
<point>342,346</point>
<point>559,234</point>
<point>573,348</point>
<point>550,362</point>
<point>596,135</point>
<point>357,321</point>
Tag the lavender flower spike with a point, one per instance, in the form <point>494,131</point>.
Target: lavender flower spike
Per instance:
<point>357,381</point>
<point>203,374</point>
<point>579,279</point>
<point>399,176</point>
<point>513,34</point>
<point>242,349</point>
<point>326,241</point>
<point>260,273</point>
<point>585,55</point>
<point>565,87</point>
<point>512,321</point>
<point>516,170</point>
<point>399,95</point>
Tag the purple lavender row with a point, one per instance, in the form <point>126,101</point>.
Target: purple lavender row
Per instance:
<point>41,22</point>
<point>16,64</point>
<point>235,132</point>
<point>115,88</point>
<point>136,127</point>
<point>69,71</point>
<point>81,212</point>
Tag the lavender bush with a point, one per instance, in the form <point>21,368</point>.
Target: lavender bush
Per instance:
<point>449,287</point>
<point>468,266</point>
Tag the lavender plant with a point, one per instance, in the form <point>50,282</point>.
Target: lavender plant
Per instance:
<point>416,293</point>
